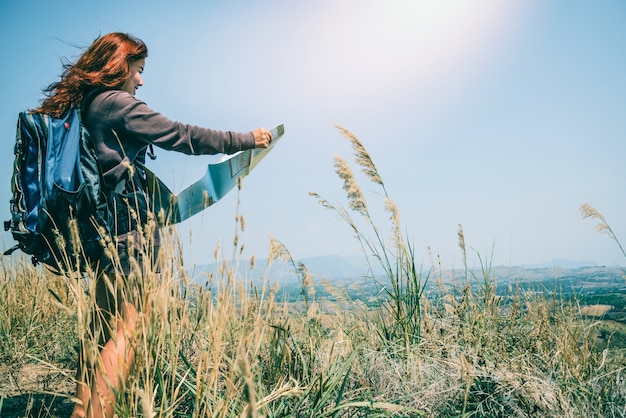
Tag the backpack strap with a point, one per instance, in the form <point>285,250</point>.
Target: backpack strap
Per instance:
<point>89,97</point>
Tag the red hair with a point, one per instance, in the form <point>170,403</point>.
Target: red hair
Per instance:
<point>106,63</point>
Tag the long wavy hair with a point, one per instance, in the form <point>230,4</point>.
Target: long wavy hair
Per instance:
<point>106,63</point>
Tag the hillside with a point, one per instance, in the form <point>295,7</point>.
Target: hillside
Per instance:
<point>583,278</point>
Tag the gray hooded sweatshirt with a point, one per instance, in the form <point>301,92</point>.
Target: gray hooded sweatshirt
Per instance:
<point>122,128</point>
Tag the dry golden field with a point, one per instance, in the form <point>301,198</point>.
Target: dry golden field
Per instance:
<point>232,348</point>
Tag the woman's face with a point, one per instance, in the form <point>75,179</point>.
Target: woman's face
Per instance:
<point>134,80</point>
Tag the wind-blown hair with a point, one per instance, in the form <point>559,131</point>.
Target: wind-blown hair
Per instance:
<point>106,63</point>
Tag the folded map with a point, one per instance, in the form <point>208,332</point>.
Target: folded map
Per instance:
<point>219,179</point>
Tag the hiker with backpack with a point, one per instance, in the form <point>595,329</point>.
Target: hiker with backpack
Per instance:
<point>102,84</point>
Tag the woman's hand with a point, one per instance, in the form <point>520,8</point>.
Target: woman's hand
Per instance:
<point>262,138</point>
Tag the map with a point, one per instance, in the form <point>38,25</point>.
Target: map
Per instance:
<point>219,179</point>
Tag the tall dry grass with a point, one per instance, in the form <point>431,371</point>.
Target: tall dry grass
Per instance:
<point>224,345</point>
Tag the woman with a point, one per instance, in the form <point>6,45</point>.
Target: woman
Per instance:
<point>103,82</point>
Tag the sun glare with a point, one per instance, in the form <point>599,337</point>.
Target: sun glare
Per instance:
<point>376,46</point>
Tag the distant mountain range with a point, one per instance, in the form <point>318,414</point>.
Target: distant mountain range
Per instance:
<point>332,267</point>
<point>560,262</point>
<point>336,268</point>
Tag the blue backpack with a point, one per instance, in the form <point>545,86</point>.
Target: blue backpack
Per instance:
<point>59,213</point>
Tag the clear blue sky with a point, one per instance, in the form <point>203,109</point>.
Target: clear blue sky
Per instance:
<point>501,116</point>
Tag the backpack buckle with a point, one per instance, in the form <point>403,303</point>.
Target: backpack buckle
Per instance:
<point>11,250</point>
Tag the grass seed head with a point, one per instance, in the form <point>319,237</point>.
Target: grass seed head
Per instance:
<point>356,200</point>
<point>361,156</point>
